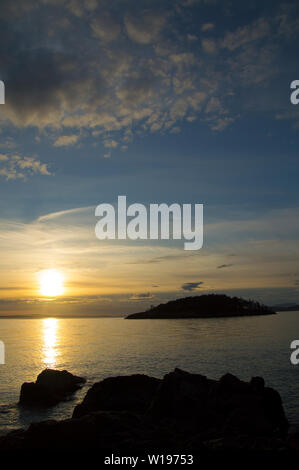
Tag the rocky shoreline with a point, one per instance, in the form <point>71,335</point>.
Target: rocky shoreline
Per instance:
<point>181,412</point>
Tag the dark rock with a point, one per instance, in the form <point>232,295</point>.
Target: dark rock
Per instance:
<point>182,396</point>
<point>229,383</point>
<point>131,393</point>
<point>245,443</point>
<point>98,430</point>
<point>182,411</point>
<point>249,420</point>
<point>257,384</point>
<point>274,411</point>
<point>35,395</point>
<point>293,441</point>
<point>230,405</point>
<point>50,387</point>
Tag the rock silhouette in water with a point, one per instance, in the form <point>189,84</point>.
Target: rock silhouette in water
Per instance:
<point>181,411</point>
<point>51,387</point>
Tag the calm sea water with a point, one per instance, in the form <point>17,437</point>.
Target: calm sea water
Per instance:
<point>101,347</point>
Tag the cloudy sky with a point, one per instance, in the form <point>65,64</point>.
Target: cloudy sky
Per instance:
<point>183,101</point>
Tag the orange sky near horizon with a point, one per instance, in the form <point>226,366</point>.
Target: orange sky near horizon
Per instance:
<point>130,275</point>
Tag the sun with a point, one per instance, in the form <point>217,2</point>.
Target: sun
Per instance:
<point>51,282</point>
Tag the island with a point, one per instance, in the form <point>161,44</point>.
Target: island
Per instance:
<point>289,307</point>
<point>204,306</point>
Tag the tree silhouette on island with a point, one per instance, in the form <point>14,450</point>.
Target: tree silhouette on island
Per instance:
<point>204,306</point>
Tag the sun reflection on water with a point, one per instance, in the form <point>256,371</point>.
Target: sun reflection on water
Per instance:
<point>50,340</point>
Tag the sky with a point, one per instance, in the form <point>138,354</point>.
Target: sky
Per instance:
<point>169,101</point>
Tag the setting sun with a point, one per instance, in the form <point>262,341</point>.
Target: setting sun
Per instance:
<point>51,282</point>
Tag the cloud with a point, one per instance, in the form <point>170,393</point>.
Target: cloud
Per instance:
<point>8,144</point>
<point>192,3</point>
<point>110,143</point>
<point>191,286</point>
<point>64,213</point>
<point>105,27</point>
<point>146,27</point>
<point>76,7</point>
<point>189,3</point>
<point>142,296</point>
<point>224,266</point>
<point>66,140</point>
<point>18,167</point>
<point>124,72</point>
<point>214,106</point>
<point>246,34</point>
<point>217,115</point>
<point>209,46</point>
<point>16,9</point>
<point>207,27</point>
<point>221,123</point>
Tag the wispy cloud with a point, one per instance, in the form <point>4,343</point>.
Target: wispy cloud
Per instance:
<point>55,215</point>
<point>142,296</point>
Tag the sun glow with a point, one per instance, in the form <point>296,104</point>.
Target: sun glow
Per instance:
<point>51,282</point>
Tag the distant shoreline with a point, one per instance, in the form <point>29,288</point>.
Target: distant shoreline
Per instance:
<point>58,317</point>
<point>61,317</point>
<point>142,316</point>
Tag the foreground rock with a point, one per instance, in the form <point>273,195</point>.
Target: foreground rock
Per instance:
<point>130,393</point>
<point>181,412</point>
<point>51,387</point>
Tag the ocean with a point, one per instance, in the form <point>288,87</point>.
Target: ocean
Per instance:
<point>101,347</point>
